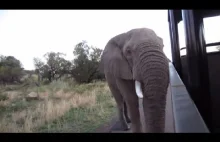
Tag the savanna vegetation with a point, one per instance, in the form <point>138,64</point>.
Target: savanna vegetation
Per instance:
<point>58,96</point>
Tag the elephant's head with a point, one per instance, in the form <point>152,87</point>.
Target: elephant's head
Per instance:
<point>133,54</point>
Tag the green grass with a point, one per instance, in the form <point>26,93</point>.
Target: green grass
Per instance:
<point>85,87</point>
<point>58,113</point>
<point>17,105</point>
<point>3,97</point>
<point>81,119</point>
<point>85,119</point>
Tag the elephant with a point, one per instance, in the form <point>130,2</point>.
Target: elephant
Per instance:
<point>136,67</point>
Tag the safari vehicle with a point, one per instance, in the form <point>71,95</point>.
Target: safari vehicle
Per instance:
<point>195,77</point>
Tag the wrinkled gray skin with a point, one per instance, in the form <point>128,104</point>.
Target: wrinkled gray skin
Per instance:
<point>137,55</point>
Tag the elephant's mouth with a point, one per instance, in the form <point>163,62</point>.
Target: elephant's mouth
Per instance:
<point>138,89</point>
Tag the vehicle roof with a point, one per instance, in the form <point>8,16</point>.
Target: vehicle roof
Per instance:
<point>202,13</point>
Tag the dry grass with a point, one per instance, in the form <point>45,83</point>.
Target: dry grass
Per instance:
<point>61,111</point>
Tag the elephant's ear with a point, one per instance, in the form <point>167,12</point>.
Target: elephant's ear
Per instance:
<point>160,41</point>
<point>113,60</point>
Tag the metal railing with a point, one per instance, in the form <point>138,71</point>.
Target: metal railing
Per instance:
<point>207,45</point>
<point>187,118</point>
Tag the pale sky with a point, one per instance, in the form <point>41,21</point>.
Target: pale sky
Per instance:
<point>26,34</point>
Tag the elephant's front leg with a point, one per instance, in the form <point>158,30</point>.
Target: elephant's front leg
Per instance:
<point>122,124</point>
<point>126,113</point>
<point>127,89</point>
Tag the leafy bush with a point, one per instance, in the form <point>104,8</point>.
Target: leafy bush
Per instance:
<point>86,64</point>
<point>83,69</point>
<point>11,69</point>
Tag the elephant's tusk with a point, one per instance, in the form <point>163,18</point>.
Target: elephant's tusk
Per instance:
<point>138,89</point>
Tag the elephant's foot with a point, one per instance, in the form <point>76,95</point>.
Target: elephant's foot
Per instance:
<point>136,129</point>
<point>128,120</point>
<point>119,126</point>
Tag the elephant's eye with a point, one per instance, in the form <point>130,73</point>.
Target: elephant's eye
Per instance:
<point>129,52</point>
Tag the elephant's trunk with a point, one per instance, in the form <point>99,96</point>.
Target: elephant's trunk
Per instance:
<point>154,74</point>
